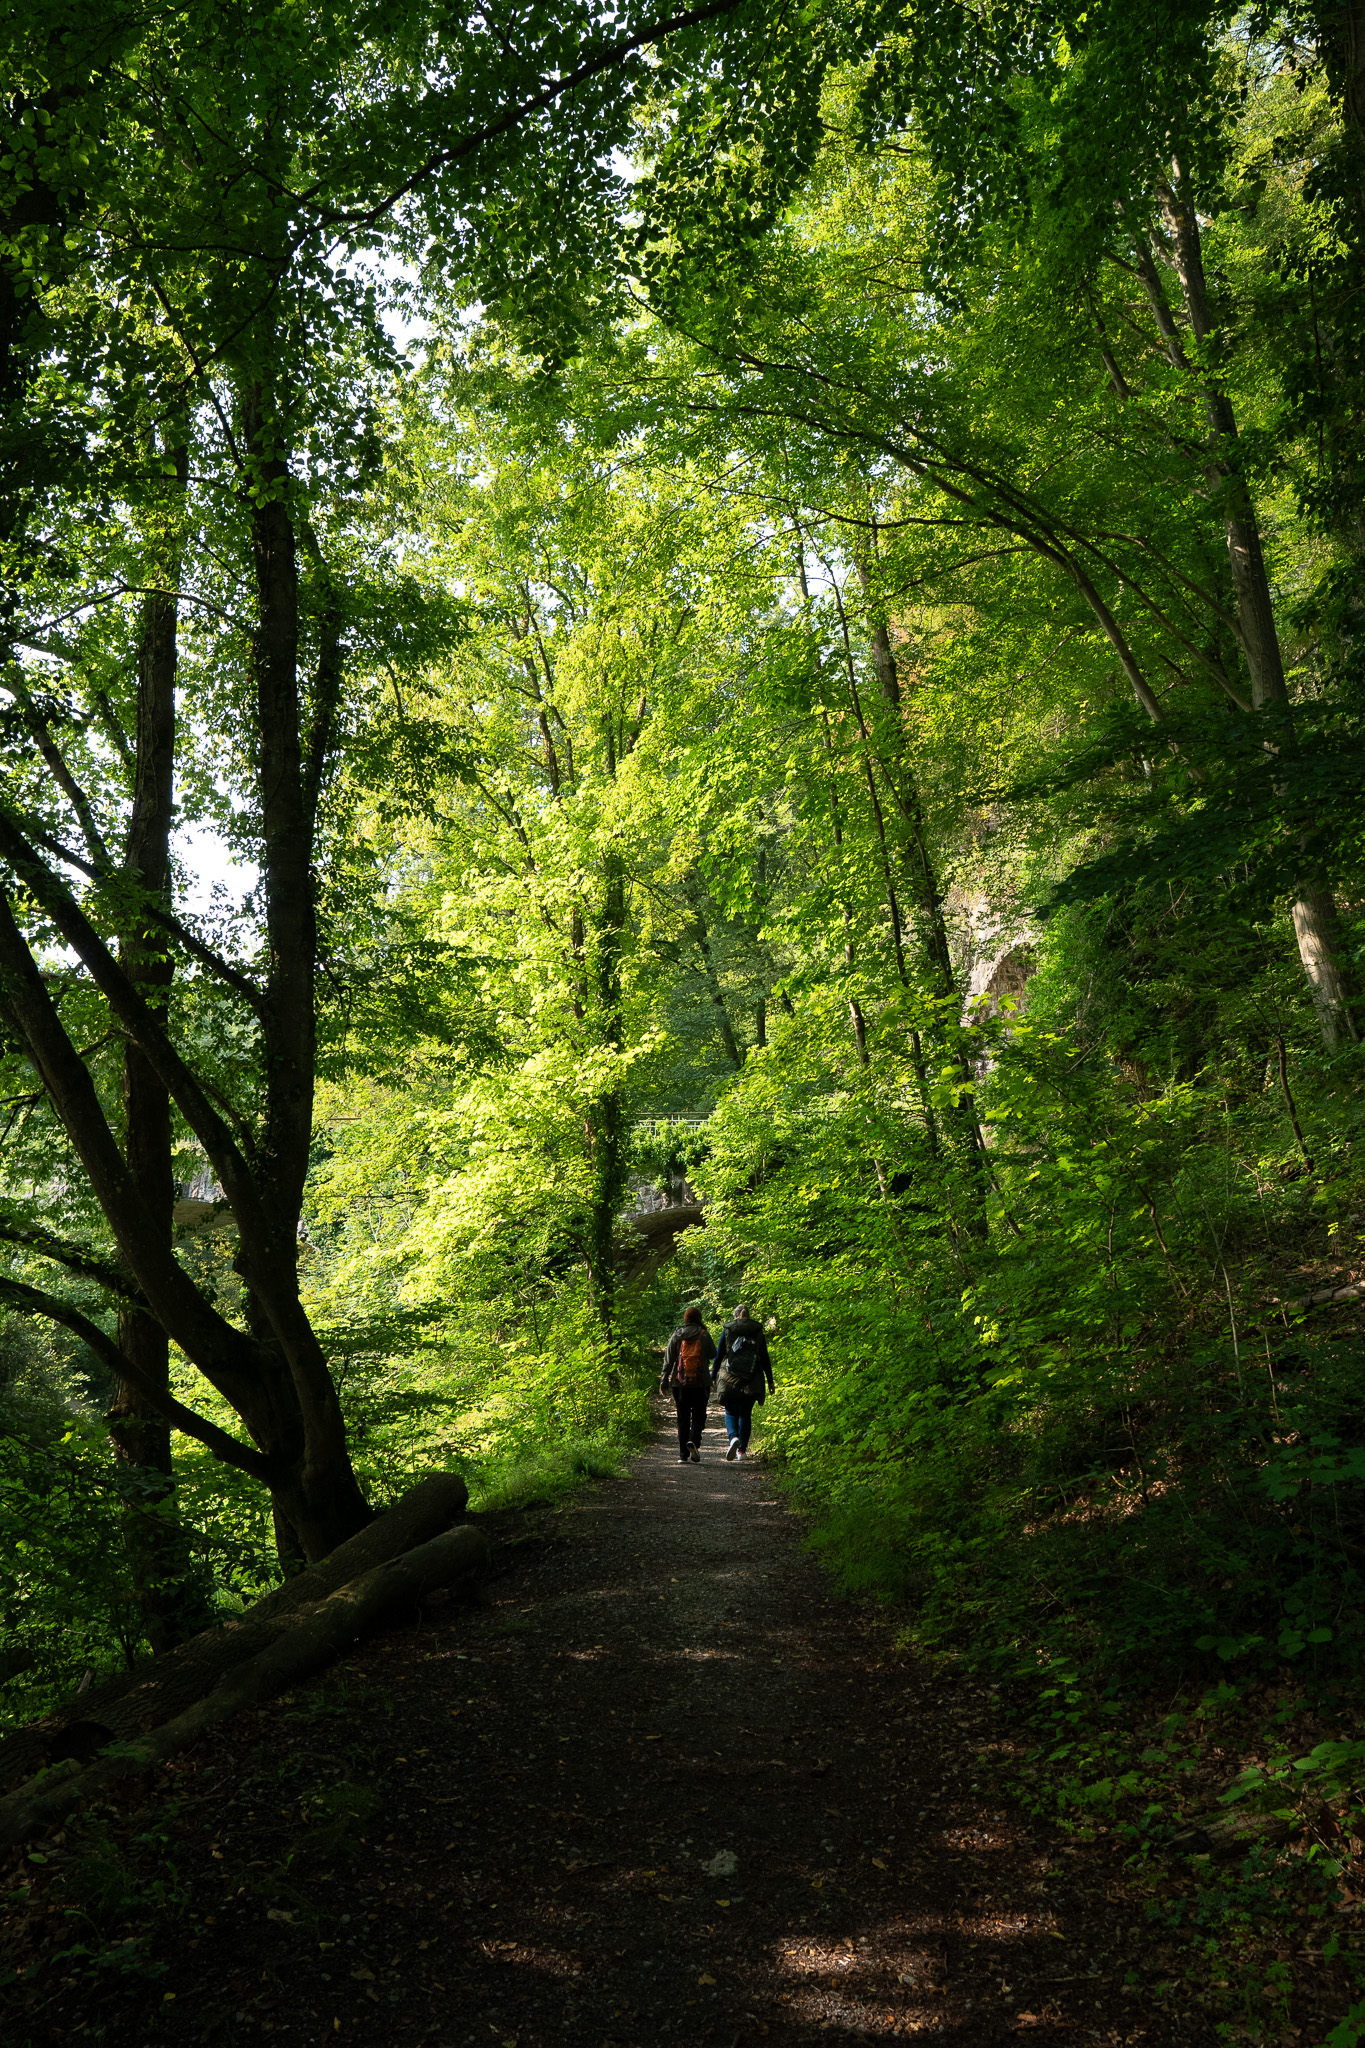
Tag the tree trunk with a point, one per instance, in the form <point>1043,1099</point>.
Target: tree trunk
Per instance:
<point>696,896</point>
<point>608,1114</point>
<point>320,1501</point>
<point>756,937</point>
<point>287,849</point>
<point>889,749</point>
<point>170,1590</point>
<point>1316,925</point>
<point>884,748</point>
<point>856,1017</point>
<point>1341,43</point>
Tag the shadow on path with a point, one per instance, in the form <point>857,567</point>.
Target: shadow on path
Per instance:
<point>667,1787</point>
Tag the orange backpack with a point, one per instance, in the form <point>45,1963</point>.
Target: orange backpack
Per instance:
<point>691,1367</point>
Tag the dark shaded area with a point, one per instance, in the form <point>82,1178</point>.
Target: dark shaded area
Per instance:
<point>516,1824</point>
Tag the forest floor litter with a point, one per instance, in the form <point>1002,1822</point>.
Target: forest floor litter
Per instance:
<point>667,1786</point>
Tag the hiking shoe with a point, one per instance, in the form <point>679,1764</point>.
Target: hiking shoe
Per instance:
<point>695,1454</point>
<point>683,1458</point>
<point>733,1451</point>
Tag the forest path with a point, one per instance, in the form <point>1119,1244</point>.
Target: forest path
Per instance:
<point>668,1786</point>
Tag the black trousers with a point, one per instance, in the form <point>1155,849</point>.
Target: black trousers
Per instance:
<point>690,1403</point>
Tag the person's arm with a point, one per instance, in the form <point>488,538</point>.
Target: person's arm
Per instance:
<point>670,1359</point>
<point>767,1361</point>
<point>718,1354</point>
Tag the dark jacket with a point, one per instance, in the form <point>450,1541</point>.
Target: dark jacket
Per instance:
<point>750,1329</point>
<point>708,1350</point>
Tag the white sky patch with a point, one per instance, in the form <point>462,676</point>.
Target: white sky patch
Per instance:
<point>209,863</point>
<point>399,284</point>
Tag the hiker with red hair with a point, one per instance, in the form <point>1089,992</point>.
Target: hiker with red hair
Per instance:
<point>687,1373</point>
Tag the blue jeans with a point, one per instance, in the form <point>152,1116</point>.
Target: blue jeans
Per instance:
<point>739,1419</point>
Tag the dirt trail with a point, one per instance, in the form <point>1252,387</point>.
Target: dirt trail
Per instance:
<point>667,1787</point>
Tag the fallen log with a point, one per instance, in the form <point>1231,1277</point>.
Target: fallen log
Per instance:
<point>313,1638</point>
<point>1223,1835</point>
<point>432,1505</point>
<point>129,1702</point>
<point>1328,1294</point>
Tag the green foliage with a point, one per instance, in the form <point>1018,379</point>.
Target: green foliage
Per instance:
<point>545,1474</point>
<point>66,1597</point>
<point>804,742</point>
<point>1083,1439</point>
<point>1349,2030</point>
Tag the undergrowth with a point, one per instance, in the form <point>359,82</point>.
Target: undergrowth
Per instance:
<point>549,1473</point>
<point>1087,1436</point>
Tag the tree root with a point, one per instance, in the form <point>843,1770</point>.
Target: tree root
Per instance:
<point>312,1638</point>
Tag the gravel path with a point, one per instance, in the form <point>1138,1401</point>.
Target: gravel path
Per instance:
<point>667,1786</point>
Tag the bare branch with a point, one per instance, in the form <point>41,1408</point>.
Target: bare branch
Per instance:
<point>17,685</point>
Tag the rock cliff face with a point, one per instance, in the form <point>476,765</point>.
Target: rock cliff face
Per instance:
<point>993,951</point>
<point>1006,975</point>
<point>647,1198</point>
<point>200,1203</point>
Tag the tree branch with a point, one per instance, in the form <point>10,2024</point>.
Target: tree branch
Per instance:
<point>55,1310</point>
<point>143,1026</point>
<point>223,1353</point>
<point>158,914</point>
<point>61,774</point>
<point>535,103</point>
<point>113,725</point>
<point>74,1258</point>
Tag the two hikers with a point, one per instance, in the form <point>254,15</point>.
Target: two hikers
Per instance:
<point>742,1375</point>
<point>739,1370</point>
<point>687,1373</point>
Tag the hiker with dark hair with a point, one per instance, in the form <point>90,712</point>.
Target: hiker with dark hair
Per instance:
<point>687,1372</point>
<point>742,1375</point>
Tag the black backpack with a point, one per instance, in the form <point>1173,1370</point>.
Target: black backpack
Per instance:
<point>742,1372</point>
